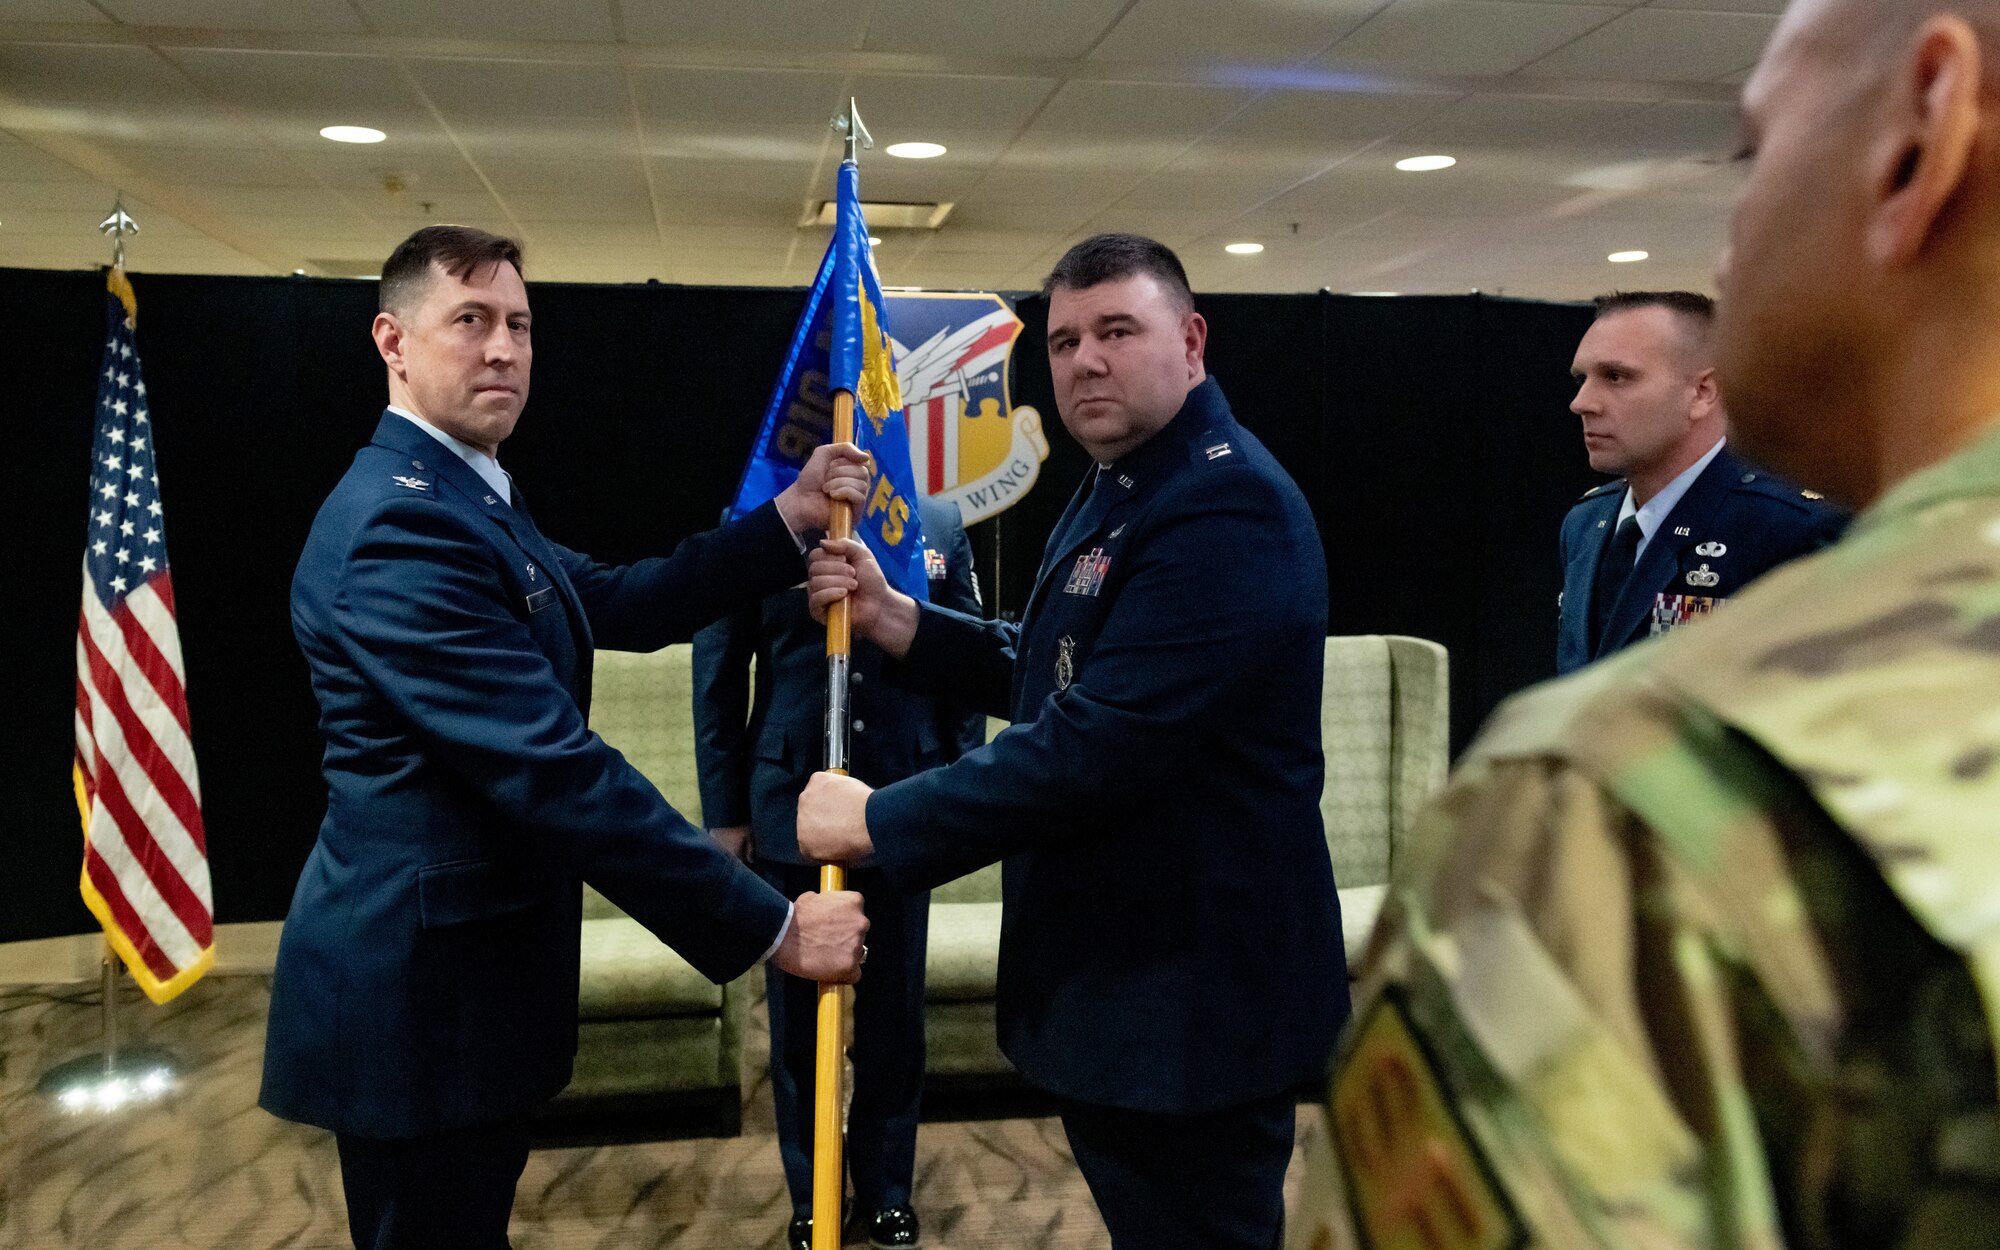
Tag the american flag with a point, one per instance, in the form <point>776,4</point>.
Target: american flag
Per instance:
<point>145,856</point>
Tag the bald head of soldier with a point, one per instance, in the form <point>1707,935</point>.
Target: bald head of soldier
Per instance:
<point>1859,336</point>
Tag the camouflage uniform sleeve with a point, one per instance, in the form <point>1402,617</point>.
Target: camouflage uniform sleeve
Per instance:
<point>1603,1010</point>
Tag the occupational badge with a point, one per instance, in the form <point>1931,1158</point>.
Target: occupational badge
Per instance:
<point>1704,578</point>
<point>411,482</point>
<point>1065,662</point>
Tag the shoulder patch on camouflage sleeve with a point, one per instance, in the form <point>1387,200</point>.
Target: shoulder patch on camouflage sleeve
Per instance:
<point>1415,1176</point>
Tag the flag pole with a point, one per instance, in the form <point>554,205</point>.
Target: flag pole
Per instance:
<point>829,1173</point>
<point>113,1077</point>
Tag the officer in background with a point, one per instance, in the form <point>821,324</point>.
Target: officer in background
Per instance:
<point>1701,947</point>
<point>755,752</point>
<point>1689,523</point>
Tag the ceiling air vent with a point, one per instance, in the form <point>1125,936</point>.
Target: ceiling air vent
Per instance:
<point>883,214</point>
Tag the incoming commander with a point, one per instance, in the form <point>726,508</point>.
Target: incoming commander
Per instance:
<point>1170,954</point>
<point>1701,947</point>
<point>1688,523</point>
<point>424,1002</point>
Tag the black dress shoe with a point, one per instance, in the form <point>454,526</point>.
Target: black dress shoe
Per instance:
<point>799,1233</point>
<point>894,1228</point>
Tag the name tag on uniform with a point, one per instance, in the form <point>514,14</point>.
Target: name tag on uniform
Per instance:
<point>1670,612</point>
<point>541,598</point>
<point>1086,577</point>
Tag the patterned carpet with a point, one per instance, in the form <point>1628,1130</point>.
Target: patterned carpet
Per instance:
<point>205,1168</point>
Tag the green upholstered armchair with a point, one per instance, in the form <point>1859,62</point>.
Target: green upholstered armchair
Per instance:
<point>1385,729</point>
<point>650,1027</point>
<point>1385,726</point>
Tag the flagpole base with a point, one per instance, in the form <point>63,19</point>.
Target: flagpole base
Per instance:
<point>135,1075</point>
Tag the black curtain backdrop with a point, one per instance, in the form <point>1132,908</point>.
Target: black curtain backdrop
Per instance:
<point>1430,434</point>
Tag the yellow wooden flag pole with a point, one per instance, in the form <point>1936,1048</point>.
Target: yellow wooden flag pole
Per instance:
<point>828,1173</point>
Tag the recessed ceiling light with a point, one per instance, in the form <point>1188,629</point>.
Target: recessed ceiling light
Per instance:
<point>1425,164</point>
<point>1243,249</point>
<point>915,151</point>
<point>352,134</point>
<point>1626,258</point>
<point>1376,294</point>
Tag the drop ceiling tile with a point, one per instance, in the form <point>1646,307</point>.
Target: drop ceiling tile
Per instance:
<point>1063,29</point>
<point>576,20</point>
<point>320,16</point>
<point>1662,45</point>
<point>791,25</point>
<point>1246,31</point>
<point>1447,37</point>
<point>55,11</point>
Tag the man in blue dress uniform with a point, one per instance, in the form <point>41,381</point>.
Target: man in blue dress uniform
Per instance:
<point>424,1002</point>
<point>1688,523</point>
<point>1170,953</point>
<point>756,750</point>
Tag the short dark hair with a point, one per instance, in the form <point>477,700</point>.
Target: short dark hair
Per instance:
<point>460,251</point>
<point>1111,257</point>
<point>1693,305</point>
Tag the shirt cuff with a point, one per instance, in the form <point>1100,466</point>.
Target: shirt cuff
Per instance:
<point>805,541</point>
<point>791,909</point>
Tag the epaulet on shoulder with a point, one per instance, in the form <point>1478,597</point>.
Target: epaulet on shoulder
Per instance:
<point>1606,488</point>
<point>1761,483</point>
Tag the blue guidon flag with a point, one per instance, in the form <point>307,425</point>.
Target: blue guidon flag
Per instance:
<point>842,344</point>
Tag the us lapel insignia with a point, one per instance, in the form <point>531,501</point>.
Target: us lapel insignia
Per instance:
<point>411,482</point>
<point>1065,662</point>
<point>1087,577</point>
<point>1711,550</point>
<point>1704,577</point>
<point>531,571</point>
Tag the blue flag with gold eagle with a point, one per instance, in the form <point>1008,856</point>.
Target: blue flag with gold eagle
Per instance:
<point>842,344</point>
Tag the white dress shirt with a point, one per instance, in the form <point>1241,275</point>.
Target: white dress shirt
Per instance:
<point>1654,512</point>
<point>484,465</point>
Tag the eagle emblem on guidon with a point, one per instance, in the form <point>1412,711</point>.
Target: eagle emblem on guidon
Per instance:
<point>968,443</point>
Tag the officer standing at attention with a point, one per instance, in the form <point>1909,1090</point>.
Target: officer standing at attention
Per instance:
<point>424,1001</point>
<point>1701,948</point>
<point>1171,965</point>
<point>755,752</point>
<point>1689,523</point>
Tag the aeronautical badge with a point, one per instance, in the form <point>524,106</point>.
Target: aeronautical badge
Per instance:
<point>411,482</point>
<point>1704,577</point>
<point>1065,662</point>
<point>1087,576</point>
<point>1711,550</point>
<point>1415,1176</point>
<point>934,566</point>
<point>1670,612</point>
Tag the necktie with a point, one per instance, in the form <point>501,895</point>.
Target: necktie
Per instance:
<point>1612,574</point>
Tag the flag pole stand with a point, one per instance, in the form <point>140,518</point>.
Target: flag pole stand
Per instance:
<point>116,1076</point>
